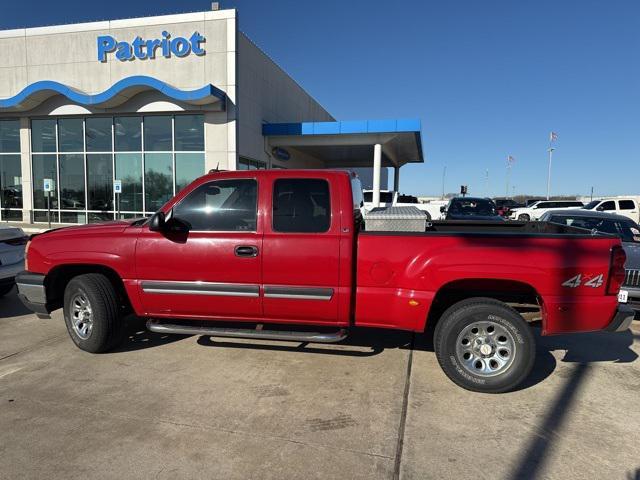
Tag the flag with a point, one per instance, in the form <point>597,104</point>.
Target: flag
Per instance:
<point>510,160</point>
<point>553,136</point>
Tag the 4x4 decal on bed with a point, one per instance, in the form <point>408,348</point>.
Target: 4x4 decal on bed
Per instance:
<point>576,281</point>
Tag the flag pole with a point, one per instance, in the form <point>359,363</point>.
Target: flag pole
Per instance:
<point>508,175</point>
<point>549,173</point>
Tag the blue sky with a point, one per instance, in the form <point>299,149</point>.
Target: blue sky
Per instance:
<point>487,78</point>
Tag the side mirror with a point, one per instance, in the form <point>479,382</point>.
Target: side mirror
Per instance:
<point>443,209</point>
<point>600,208</point>
<point>157,223</point>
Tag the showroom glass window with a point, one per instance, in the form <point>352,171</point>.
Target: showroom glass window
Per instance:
<point>154,156</point>
<point>10,171</point>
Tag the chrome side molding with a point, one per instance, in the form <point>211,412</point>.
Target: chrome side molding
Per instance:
<point>289,336</point>
<point>200,288</point>
<point>298,293</point>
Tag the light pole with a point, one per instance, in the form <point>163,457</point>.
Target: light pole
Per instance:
<point>486,177</point>
<point>510,161</point>
<point>444,173</point>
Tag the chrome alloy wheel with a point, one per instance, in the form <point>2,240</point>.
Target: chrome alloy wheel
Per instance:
<point>81,316</point>
<point>485,348</point>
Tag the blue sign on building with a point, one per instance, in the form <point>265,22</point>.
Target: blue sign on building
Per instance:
<point>148,49</point>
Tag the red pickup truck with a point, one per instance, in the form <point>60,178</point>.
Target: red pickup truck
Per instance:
<point>284,254</point>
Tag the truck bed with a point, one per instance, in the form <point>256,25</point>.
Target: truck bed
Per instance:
<point>482,228</point>
<point>538,257</point>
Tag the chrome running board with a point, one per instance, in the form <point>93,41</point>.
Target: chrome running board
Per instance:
<point>289,336</point>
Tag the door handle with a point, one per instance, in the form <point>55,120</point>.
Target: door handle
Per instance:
<point>246,251</point>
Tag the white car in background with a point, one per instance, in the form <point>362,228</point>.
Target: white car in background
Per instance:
<point>627,207</point>
<point>12,244</point>
<point>539,208</point>
<point>390,198</point>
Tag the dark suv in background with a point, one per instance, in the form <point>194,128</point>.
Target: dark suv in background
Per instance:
<point>471,208</point>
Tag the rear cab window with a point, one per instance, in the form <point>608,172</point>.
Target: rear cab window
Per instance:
<point>627,204</point>
<point>301,205</point>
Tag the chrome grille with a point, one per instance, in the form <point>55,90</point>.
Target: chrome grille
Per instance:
<point>632,278</point>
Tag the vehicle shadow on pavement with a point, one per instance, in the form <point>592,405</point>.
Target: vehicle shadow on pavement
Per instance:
<point>594,347</point>
<point>137,337</point>
<point>11,306</point>
<point>364,342</point>
<point>583,350</point>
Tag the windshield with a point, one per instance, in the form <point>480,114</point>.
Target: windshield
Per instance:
<point>591,205</point>
<point>385,197</point>
<point>627,230</point>
<point>472,206</point>
<point>407,199</point>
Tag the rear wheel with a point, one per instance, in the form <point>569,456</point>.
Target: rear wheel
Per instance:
<point>524,217</point>
<point>91,313</point>
<point>484,345</point>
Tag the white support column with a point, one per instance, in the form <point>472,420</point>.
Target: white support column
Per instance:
<point>396,179</point>
<point>25,163</point>
<point>377,165</point>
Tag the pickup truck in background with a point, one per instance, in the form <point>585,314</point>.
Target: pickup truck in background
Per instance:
<point>282,254</point>
<point>390,198</point>
<point>627,207</point>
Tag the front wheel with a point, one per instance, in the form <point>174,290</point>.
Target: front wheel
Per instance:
<point>484,345</point>
<point>524,217</point>
<point>91,313</point>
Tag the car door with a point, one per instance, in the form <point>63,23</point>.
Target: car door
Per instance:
<point>609,206</point>
<point>629,208</point>
<point>540,209</point>
<point>301,248</point>
<point>213,270</point>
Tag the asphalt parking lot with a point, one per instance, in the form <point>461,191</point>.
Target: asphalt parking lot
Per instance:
<point>377,406</point>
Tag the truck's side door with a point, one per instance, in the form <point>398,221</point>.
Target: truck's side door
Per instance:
<point>213,269</point>
<point>301,251</point>
<point>629,208</point>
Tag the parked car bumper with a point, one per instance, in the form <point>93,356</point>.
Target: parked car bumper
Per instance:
<point>634,297</point>
<point>8,273</point>
<point>32,292</point>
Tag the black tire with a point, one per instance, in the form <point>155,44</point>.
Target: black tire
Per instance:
<point>4,290</point>
<point>524,217</point>
<point>476,373</point>
<point>107,326</point>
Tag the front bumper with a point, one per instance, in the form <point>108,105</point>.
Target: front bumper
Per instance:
<point>32,292</point>
<point>622,319</point>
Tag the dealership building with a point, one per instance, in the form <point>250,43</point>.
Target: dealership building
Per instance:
<point>114,117</point>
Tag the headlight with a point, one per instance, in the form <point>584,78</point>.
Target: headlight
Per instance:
<point>26,256</point>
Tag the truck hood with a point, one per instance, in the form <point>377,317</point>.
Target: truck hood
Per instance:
<point>91,229</point>
<point>9,233</point>
<point>632,250</point>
